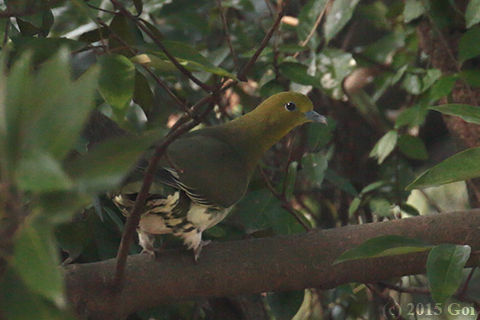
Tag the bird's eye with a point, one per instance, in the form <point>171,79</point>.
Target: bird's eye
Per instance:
<point>290,106</point>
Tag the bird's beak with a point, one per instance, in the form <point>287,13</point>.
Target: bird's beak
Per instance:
<point>315,117</point>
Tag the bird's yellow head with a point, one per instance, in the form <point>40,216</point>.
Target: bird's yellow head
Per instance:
<point>288,109</point>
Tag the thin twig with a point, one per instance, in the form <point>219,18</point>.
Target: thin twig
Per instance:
<point>159,44</point>
<point>263,44</point>
<point>5,35</point>
<point>147,69</point>
<point>227,34</point>
<point>285,204</point>
<point>30,11</point>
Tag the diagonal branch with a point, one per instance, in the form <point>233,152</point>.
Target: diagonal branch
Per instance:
<point>159,44</point>
<point>242,75</point>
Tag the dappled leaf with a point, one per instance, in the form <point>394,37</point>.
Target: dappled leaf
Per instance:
<point>339,15</point>
<point>461,166</point>
<point>334,65</point>
<point>384,246</point>
<point>445,264</point>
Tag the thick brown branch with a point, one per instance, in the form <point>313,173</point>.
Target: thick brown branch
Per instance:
<point>271,264</point>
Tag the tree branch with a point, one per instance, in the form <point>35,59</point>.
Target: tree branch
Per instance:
<point>279,263</point>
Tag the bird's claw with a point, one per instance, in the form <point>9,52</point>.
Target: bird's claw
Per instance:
<point>197,250</point>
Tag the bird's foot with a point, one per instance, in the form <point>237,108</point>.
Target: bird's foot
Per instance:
<point>198,249</point>
<point>152,252</point>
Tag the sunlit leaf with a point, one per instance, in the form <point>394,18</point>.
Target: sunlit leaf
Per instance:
<point>384,246</point>
<point>414,9</point>
<point>116,80</point>
<point>384,146</point>
<point>461,166</point>
<point>445,264</point>
<point>472,14</point>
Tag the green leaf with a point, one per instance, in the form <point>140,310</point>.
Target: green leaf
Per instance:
<point>36,261</point>
<point>459,167</point>
<point>334,65</point>
<point>297,73</point>
<point>18,94</point>
<point>261,210</point>
<point>413,116</point>
<point>384,246</point>
<point>142,94</point>
<point>413,83</point>
<point>306,20</point>
<point>284,305</point>
<point>430,78</point>
<point>116,80</point>
<point>354,205</point>
<point>59,107</point>
<point>17,302</point>
<point>291,178</point>
<point>339,15</point>
<point>271,87</point>
<point>190,59</point>
<point>384,146</point>
<point>412,147</point>
<point>445,264</point>
<point>466,112</point>
<point>414,9</point>
<point>472,14</point>
<point>340,182</point>
<point>39,172</point>
<point>104,167</point>
<point>314,166</point>
<point>43,48</point>
<point>471,77</point>
<point>442,87</point>
<point>469,46</point>
<point>138,6</point>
